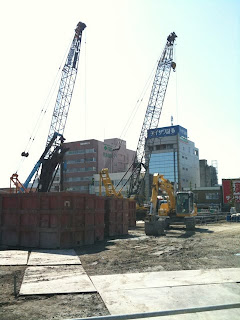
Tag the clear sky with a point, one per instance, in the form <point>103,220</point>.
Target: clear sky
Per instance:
<point>121,45</point>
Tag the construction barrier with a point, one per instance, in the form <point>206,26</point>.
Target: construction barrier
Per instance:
<point>116,216</point>
<point>235,217</point>
<point>60,220</point>
<point>132,213</point>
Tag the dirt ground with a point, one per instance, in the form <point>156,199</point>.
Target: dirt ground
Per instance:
<point>210,246</point>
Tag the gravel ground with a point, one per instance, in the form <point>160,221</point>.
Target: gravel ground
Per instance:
<point>210,246</point>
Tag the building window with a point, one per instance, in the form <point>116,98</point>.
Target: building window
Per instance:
<point>74,179</point>
<point>74,161</point>
<point>196,152</point>
<point>212,196</point>
<point>84,169</point>
<point>78,188</point>
<point>81,151</point>
<point>80,160</point>
<point>91,160</point>
<point>107,155</point>
<point>90,150</point>
<point>164,163</point>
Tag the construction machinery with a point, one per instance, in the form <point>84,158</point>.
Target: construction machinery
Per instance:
<point>171,208</point>
<point>140,164</point>
<point>108,185</point>
<point>52,156</point>
<point>152,116</point>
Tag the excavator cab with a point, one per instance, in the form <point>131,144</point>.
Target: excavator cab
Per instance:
<point>184,204</point>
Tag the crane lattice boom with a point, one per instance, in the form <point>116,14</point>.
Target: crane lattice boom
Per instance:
<point>53,153</point>
<point>153,113</point>
<point>64,96</point>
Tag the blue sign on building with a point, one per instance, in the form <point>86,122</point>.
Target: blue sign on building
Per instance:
<point>167,131</point>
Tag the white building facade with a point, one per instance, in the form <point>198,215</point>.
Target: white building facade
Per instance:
<point>174,156</point>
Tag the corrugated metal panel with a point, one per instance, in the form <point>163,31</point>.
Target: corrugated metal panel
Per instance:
<point>62,220</point>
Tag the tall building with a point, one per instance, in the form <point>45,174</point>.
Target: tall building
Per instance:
<point>86,158</point>
<point>174,156</point>
<point>208,174</point>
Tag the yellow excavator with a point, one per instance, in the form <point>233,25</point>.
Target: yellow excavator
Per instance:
<point>174,208</point>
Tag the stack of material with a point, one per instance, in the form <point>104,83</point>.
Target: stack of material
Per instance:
<point>51,220</point>
<point>132,213</point>
<point>235,217</point>
<point>62,219</point>
<point>116,216</point>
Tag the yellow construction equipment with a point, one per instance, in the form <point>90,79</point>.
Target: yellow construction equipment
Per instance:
<point>105,180</point>
<point>109,187</point>
<point>173,208</point>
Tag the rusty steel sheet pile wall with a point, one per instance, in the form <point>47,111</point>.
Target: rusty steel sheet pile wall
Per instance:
<point>132,213</point>
<point>60,220</point>
<point>117,216</point>
<point>51,220</point>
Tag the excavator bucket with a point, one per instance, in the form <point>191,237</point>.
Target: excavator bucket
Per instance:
<point>154,227</point>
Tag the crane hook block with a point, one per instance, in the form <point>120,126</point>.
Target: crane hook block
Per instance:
<point>24,154</point>
<point>173,65</point>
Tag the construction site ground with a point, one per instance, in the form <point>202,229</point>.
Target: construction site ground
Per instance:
<point>210,246</point>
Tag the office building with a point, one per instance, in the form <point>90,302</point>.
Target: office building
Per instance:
<point>86,158</point>
<point>174,156</point>
<point>208,174</point>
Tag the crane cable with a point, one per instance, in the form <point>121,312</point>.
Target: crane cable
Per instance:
<point>175,59</point>
<point>85,88</point>
<point>116,148</point>
<point>42,113</point>
<point>138,103</point>
<point>141,99</point>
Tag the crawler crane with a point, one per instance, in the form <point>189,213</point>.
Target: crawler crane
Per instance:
<point>53,154</point>
<point>140,164</point>
<point>152,116</point>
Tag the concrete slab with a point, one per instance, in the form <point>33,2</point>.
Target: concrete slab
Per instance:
<point>165,279</point>
<point>233,314</point>
<point>56,280</point>
<point>53,257</point>
<point>13,257</point>
<point>170,298</point>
